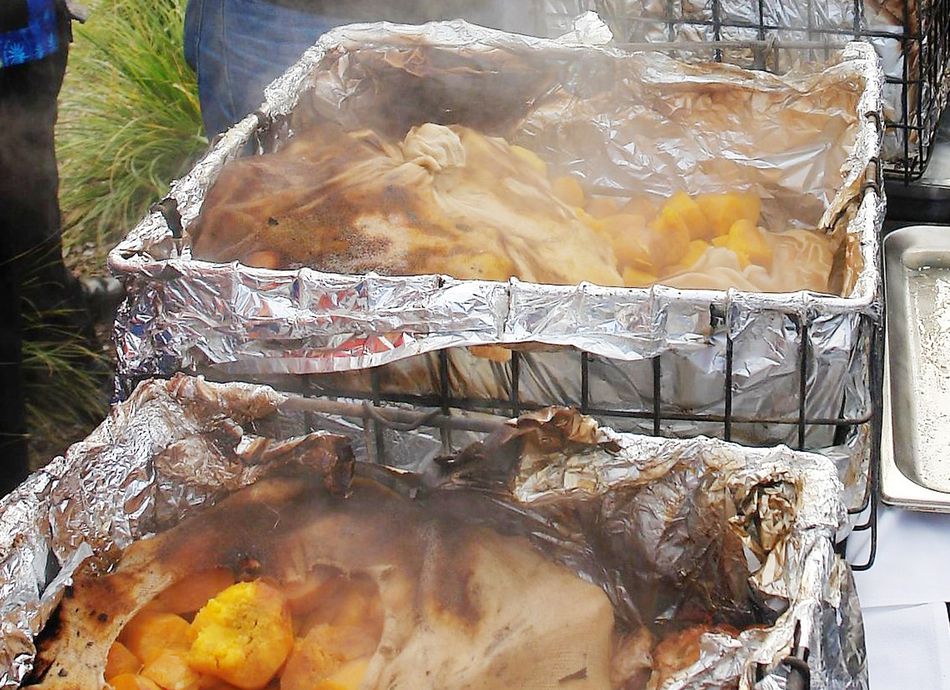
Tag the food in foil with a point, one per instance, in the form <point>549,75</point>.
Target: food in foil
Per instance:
<point>713,557</point>
<point>451,200</point>
<point>282,582</point>
<point>300,582</point>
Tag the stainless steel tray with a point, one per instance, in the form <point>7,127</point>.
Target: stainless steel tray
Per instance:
<point>916,444</point>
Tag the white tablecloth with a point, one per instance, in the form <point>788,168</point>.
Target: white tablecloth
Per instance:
<point>902,596</point>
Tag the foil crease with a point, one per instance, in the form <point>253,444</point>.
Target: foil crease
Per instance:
<point>232,321</point>
<point>177,445</point>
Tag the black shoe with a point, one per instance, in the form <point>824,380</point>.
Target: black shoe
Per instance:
<point>102,296</point>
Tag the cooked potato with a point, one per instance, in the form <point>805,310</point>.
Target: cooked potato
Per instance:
<point>152,632</point>
<point>682,215</point>
<point>243,635</point>
<point>170,671</point>
<point>121,661</point>
<point>723,210</point>
<point>130,681</point>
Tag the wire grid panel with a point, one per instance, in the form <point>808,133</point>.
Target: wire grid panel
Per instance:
<point>445,397</point>
<point>912,38</point>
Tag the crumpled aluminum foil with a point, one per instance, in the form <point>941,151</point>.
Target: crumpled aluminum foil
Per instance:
<point>793,34</point>
<point>177,445</point>
<point>231,321</point>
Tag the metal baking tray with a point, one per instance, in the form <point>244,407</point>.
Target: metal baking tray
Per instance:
<point>915,470</point>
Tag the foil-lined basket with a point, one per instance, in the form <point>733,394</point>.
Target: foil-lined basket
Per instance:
<point>703,507</point>
<point>779,35</point>
<point>758,368</point>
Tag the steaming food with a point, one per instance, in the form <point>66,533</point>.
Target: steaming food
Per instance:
<point>451,200</point>
<point>283,586</point>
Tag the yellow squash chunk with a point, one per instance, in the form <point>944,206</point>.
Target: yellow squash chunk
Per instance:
<point>130,681</point>
<point>569,190</point>
<point>531,158</point>
<point>631,241</point>
<point>749,244</point>
<point>193,593</point>
<point>723,210</point>
<point>348,677</point>
<point>634,278</point>
<point>602,206</point>
<point>243,635</point>
<point>697,248</point>
<point>170,670</point>
<point>682,214</point>
<point>152,632</point>
<point>120,661</point>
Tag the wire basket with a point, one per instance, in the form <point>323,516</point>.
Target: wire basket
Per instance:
<point>387,408</point>
<point>912,39</point>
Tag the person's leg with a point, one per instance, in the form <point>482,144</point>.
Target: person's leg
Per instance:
<point>238,47</point>
<point>32,271</point>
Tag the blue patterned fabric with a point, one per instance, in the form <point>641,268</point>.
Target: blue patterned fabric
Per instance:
<point>36,40</point>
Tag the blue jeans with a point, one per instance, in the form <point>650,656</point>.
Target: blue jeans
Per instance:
<point>238,47</point>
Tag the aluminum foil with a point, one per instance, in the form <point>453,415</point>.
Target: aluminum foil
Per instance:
<point>231,321</point>
<point>177,445</point>
<point>782,35</point>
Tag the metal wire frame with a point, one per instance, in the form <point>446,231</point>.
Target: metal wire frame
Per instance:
<point>440,407</point>
<point>924,39</point>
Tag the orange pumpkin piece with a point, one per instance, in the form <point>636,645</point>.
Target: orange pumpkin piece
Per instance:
<point>152,632</point>
<point>569,190</point>
<point>697,249</point>
<point>131,681</point>
<point>724,210</point>
<point>681,214</point>
<point>121,661</point>
<point>632,242</point>
<point>170,670</point>
<point>191,594</point>
<point>243,635</point>
<point>309,663</point>
<point>750,244</point>
<point>324,655</point>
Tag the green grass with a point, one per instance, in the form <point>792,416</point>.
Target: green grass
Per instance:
<point>129,121</point>
<point>129,124</point>
<point>66,382</point>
